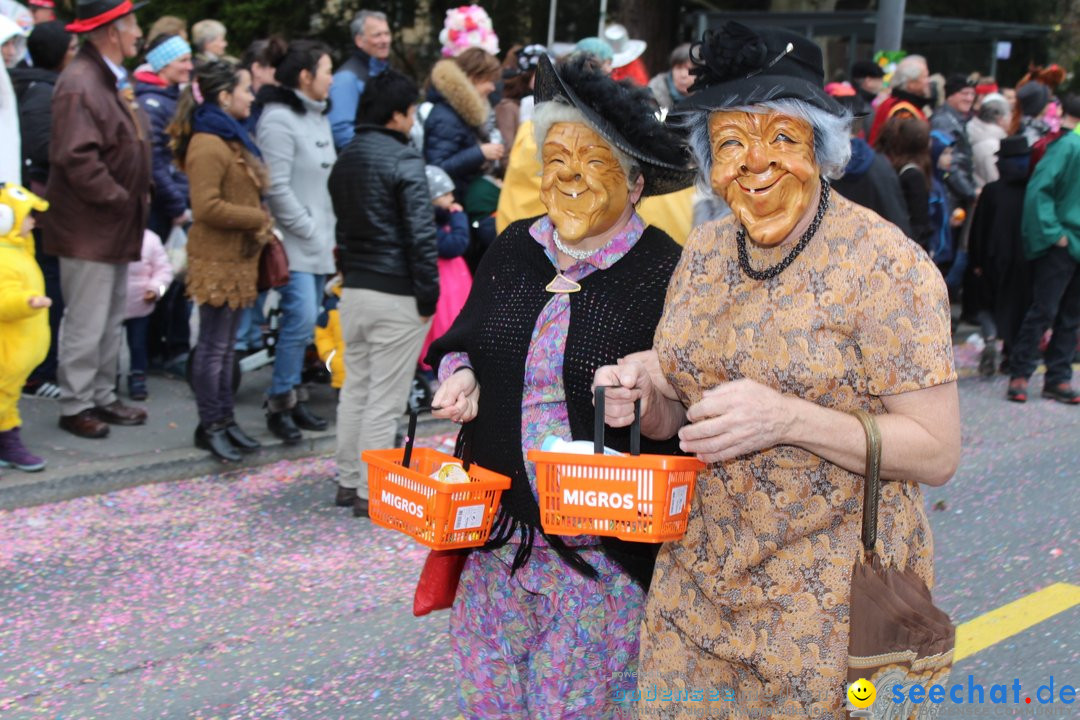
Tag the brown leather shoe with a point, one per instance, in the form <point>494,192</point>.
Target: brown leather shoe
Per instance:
<point>346,496</point>
<point>120,414</point>
<point>85,424</point>
<point>360,507</point>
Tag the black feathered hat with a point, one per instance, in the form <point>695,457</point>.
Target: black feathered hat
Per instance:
<point>624,115</point>
<point>738,66</point>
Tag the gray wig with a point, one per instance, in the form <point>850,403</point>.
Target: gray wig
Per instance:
<point>832,136</point>
<point>553,112</point>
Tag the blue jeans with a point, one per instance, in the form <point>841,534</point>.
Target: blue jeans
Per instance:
<point>138,330</point>
<point>300,302</point>
<point>249,333</point>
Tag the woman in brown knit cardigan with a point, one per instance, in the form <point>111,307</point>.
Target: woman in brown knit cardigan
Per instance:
<point>230,227</point>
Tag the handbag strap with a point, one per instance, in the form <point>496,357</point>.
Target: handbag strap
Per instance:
<point>872,486</point>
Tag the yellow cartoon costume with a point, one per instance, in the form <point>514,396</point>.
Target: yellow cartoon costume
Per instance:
<point>24,331</point>
<point>328,339</point>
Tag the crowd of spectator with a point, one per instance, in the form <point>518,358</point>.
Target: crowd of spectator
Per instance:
<point>172,185</point>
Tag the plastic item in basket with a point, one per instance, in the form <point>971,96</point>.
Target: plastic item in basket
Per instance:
<point>451,472</point>
<point>553,443</point>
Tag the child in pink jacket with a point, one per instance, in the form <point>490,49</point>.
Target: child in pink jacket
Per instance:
<point>148,279</point>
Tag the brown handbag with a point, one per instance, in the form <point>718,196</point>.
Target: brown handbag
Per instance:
<point>273,264</point>
<point>897,636</point>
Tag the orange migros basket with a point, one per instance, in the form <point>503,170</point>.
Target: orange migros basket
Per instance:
<point>442,515</point>
<point>644,498</point>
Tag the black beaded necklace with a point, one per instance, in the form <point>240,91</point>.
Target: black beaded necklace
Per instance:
<point>766,274</point>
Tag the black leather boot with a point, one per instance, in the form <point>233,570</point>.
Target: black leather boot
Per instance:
<point>213,438</point>
<point>302,415</point>
<point>279,418</point>
<point>240,439</point>
<point>304,418</point>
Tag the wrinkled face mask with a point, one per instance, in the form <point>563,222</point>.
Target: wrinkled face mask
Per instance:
<point>764,167</point>
<point>583,185</point>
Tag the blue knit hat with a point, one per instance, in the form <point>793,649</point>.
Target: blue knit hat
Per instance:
<point>595,46</point>
<point>172,49</point>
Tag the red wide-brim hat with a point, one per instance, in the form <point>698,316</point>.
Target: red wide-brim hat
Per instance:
<point>92,14</point>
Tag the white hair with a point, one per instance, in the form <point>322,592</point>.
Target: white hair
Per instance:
<point>206,31</point>
<point>357,24</point>
<point>908,69</point>
<point>551,113</point>
<point>832,135</point>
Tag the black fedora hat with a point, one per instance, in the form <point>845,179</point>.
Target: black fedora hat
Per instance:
<point>1014,145</point>
<point>624,115</point>
<point>92,14</point>
<point>738,66</point>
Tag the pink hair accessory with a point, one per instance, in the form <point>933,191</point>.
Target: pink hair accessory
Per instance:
<point>465,27</point>
<point>196,92</point>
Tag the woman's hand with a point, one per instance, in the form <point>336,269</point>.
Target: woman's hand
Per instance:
<point>38,302</point>
<point>457,398</point>
<point>638,376</point>
<point>734,419</point>
<point>493,151</point>
<point>625,383</point>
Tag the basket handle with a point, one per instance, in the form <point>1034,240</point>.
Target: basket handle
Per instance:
<point>462,448</point>
<point>598,423</point>
<point>464,445</point>
<point>410,439</point>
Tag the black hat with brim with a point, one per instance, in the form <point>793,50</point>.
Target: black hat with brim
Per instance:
<point>1013,146</point>
<point>739,66</point>
<point>92,14</point>
<point>661,176</point>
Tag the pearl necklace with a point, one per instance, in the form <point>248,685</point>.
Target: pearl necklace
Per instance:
<point>576,254</point>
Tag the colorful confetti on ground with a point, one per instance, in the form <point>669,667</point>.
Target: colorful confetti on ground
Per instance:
<point>250,596</point>
<point>246,595</point>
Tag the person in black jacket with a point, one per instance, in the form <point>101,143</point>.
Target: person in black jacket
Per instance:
<point>905,141</point>
<point>388,254</point>
<point>997,292</point>
<point>157,90</point>
<point>51,47</point>
<point>546,626</point>
<point>869,179</point>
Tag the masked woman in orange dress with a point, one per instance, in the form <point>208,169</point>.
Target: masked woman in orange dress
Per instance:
<point>782,318</point>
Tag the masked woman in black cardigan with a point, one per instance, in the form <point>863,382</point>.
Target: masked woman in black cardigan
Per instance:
<point>543,625</point>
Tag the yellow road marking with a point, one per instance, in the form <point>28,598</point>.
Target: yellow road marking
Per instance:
<point>1014,618</point>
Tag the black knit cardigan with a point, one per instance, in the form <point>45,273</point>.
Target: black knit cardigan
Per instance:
<point>615,313</point>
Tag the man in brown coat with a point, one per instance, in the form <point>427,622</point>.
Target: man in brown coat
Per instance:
<point>98,190</point>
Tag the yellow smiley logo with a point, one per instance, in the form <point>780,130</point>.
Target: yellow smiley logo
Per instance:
<point>861,693</point>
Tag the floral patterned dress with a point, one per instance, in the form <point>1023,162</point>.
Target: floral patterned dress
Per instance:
<point>750,609</point>
<point>548,642</point>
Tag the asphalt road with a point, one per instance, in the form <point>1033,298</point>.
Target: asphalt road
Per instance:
<point>251,596</point>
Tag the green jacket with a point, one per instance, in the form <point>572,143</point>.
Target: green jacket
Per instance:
<point>1052,200</point>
